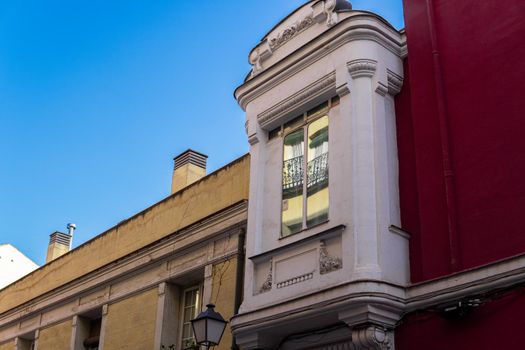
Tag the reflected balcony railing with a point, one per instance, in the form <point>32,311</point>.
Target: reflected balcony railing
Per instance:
<point>293,173</point>
<point>318,171</point>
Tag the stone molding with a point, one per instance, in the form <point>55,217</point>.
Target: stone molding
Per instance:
<point>274,114</point>
<point>386,315</point>
<point>362,68</point>
<point>324,9</point>
<point>372,338</point>
<point>253,139</point>
<point>385,304</point>
<point>348,30</point>
<point>395,82</point>
<point>342,90</point>
<point>295,280</point>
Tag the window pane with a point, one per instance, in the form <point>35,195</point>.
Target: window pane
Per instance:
<point>317,184</point>
<point>190,311</point>
<point>292,205</point>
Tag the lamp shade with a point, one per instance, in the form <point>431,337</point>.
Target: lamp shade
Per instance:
<point>208,327</point>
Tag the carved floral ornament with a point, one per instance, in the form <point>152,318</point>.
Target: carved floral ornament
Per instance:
<point>267,284</point>
<point>325,10</point>
<point>289,33</point>
<point>328,263</point>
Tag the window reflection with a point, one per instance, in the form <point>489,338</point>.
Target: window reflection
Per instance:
<point>191,305</point>
<point>293,173</point>
<point>317,176</point>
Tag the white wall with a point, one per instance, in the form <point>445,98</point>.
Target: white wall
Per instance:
<point>13,265</point>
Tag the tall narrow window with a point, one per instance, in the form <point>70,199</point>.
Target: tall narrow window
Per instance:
<point>305,172</point>
<point>190,310</point>
<point>293,175</point>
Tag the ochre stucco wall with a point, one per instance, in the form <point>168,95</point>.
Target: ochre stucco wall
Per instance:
<point>223,296</point>
<point>57,337</point>
<point>215,192</point>
<point>7,346</point>
<point>130,323</point>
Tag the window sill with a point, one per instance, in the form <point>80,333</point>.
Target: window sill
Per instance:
<point>282,238</point>
<point>328,232</point>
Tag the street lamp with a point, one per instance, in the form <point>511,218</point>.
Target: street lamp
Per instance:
<point>208,327</point>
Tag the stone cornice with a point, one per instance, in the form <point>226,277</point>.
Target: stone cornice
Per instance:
<point>293,102</point>
<point>361,26</point>
<point>395,82</point>
<point>502,274</point>
<point>380,303</point>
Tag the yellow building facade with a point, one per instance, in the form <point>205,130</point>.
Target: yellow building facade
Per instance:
<point>137,285</point>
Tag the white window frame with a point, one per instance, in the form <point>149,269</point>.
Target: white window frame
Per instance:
<point>198,309</point>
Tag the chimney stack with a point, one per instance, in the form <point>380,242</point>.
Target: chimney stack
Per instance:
<point>60,243</point>
<point>190,166</point>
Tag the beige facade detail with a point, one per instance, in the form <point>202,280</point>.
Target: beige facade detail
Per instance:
<point>130,323</point>
<point>217,191</point>
<point>56,337</point>
<point>10,345</point>
<point>124,289</point>
<point>224,278</point>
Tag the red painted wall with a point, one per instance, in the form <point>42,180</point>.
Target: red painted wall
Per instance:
<point>498,325</point>
<point>464,98</point>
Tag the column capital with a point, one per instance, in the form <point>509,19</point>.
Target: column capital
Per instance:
<point>362,68</point>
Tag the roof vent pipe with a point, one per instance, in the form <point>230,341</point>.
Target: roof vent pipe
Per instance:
<point>71,228</point>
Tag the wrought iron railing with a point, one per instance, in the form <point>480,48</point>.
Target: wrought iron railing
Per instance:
<point>293,173</point>
<point>318,171</point>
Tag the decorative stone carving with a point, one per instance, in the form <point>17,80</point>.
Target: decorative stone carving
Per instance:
<point>331,15</point>
<point>343,90</point>
<point>362,68</point>
<point>259,54</point>
<point>328,263</point>
<point>253,139</point>
<point>295,280</point>
<point>395,82</point>
<point>267,285</point>
<point>372,338</point>
<point>290,32</point>
<point>381,89</point>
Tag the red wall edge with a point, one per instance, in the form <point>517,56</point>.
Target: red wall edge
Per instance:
<point>480,49</point>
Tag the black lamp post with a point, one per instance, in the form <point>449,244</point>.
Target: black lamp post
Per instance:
<point>208,327</point>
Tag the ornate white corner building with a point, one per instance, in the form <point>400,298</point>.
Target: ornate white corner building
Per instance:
<point>323,267</point>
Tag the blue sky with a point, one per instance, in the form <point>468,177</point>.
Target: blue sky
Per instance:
<point>97,96</point>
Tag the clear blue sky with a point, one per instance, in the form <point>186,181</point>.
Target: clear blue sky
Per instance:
<point>97,96</point>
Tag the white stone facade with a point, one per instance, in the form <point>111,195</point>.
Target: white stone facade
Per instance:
<point>354,266</point>
<point>13,265</point>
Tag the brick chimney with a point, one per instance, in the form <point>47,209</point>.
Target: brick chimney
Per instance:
<point>59,244</point>
<point>190,166</point>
